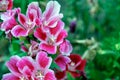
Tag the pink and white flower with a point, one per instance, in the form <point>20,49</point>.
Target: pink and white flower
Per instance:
<point>50,16</point>
<point>26,68</point>
<point>50,40</point>
<point>27,23</point>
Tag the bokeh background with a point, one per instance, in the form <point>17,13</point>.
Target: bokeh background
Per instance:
<point>94,31</point>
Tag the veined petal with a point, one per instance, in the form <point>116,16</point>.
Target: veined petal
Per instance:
<point>12,65</point>
<point>63,34</point>
<point>49,48</point>
<point>19,31</point>
<point>40,34</point>
<point>56,30</point>
<point>43,60</point>
<point>52,9</point>
<point>10,76</point>
<point>50,75</point>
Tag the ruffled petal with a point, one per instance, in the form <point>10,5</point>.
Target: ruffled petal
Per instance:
<point>43,60</point>
<point>19,31</point>
<point>49,48</point>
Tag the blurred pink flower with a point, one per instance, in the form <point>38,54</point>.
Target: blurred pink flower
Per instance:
<point>29,69</point>
<point>6,5</point>
<point>50,40</point>
<point>65,48</point>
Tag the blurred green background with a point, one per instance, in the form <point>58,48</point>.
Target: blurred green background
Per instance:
<point>95,22</point>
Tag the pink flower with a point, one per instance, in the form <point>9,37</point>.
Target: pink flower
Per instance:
<point>9,19</point>
<point>65,48</point>
<point>50,40</point>
<point>75,66</point>
<point>26,68</point>
<point>6,5</point>
<point>27,22</point>
<point>50,16</point>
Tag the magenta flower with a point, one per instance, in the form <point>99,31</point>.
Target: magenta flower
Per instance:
<point>50,40</point>
<point>50,16</point>
<point>27,22</point>
<point>75,66</point>
<point>6,5</point>
<point>26,68</point>
<point>9,19</point>
<point>65,48</point>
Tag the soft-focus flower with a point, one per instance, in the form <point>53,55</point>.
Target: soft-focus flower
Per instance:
<point>27,23</point>
<point>65,48</point>
<point>50,16</point>
<point>26,68</point>
<point>50,40</point>
<point>6,5</point>
<point>75,66</point>
<point>60,75</point>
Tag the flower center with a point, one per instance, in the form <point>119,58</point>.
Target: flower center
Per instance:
<point>39,75</point>
<point>72,64</point>
<point>51,40</point>
<point>23,78</point>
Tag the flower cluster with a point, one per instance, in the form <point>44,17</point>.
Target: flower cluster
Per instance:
<point>49,34</point>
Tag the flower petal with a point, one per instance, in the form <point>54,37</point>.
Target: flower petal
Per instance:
<point>49,48</point>
<point>10,4</point>
<point>65,48</point>
<point>10,76</point>
<point>57,29</point>
<point>12,65</point>
<point>63,34</point>
<point>50,75</point>
<point>62,61</point>
<point>43,60</point>
<point>40,34</point>
<point>33,11</point>
<point>26,63</point>
<point>81,66</point>
<point>60,75</point>
<point>19,31</point>
<point>22,19</point>
<point>52,9</point>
